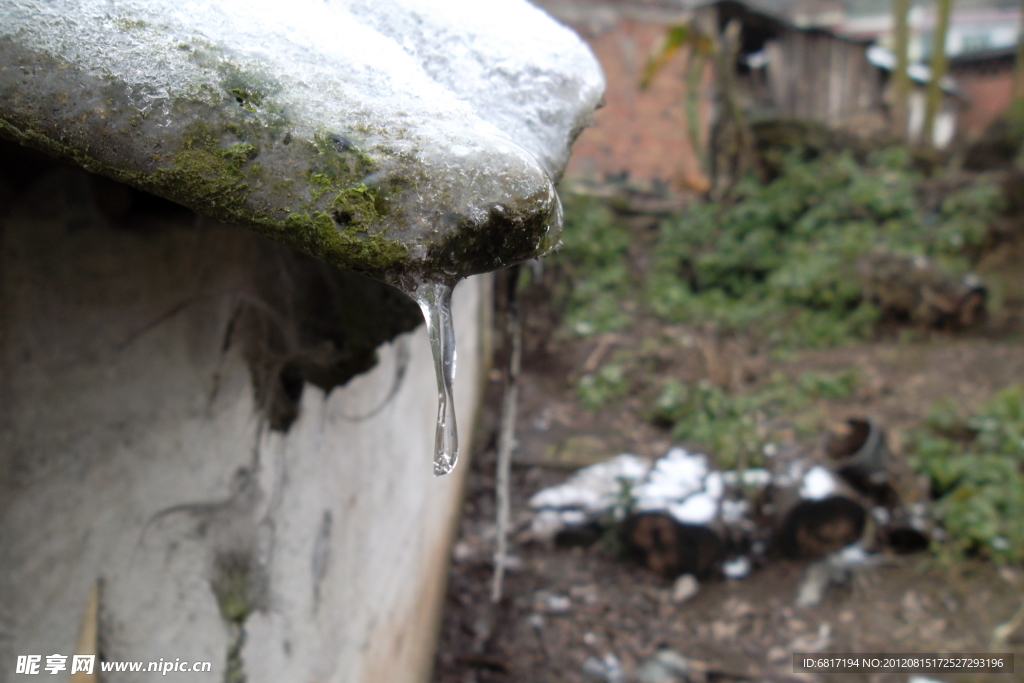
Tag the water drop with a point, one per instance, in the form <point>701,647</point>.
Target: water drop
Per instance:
<point>435,300</point>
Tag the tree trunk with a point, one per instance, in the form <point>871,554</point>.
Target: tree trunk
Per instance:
<point>1018,67</point>
<point>938,67</point>
<point>732,143</point>
<point>900,78</point>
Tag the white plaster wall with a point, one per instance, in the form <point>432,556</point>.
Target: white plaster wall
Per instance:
<point>944,127</point>
<point>131,452</point>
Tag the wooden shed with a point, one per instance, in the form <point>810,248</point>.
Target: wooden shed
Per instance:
<point>783,71</point>
<point>806,73</point>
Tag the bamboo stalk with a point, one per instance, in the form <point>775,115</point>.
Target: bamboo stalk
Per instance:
<point>1018,66</point>
<point>938,68</point>
<point>900,77</point>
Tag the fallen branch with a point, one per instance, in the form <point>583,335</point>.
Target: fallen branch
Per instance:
<point>506,437</point>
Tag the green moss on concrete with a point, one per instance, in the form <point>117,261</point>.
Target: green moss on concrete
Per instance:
<point>347,231</point>
<point>211,177</point>
<point>348,235</point>
<point>124,24</point>
<point>255,91</point>
<point>232,585</point>
<point>355,206</point>
<point>509,236</point>
<point>339,160</point>
<point>238,588</point>
<point>248,99</point>
<point>250,83</point>
<point>319,184</point>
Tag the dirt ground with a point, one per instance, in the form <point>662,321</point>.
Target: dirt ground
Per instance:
<point>731,630</point>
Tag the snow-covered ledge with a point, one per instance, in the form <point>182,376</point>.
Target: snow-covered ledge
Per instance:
<point>212,448</point>
<point>397,138</point>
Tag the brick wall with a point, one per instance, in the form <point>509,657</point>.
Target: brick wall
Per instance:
<point>642,133</point>
<point>988,97</point>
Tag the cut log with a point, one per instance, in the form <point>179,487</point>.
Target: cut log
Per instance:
<point>916,289</point>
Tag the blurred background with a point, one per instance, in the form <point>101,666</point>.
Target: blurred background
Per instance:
<point>770,390</point>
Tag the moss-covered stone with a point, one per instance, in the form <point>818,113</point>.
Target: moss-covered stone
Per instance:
<point>339,160</point>
<point>212,177</point>
<point>252,89</point>
<point>228,148</point>
<point>346,232</point>
<point>345,235</point>
<point>509,236</point>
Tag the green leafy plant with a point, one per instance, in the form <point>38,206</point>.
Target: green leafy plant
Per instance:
<point>965,216</point>
<point>594,276</point>
<point>781,260</point>
<point>975,467</point>
<point>594,389</point>
<point>734,427</point>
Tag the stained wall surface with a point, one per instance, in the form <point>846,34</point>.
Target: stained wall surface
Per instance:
<point>133,455</point>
